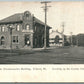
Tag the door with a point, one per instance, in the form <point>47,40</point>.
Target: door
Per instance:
<point>27,40</point>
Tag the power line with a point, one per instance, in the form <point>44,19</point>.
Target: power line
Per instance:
<point>45,7</point>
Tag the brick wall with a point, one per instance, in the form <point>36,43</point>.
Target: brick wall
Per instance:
<point>36,35</point>
<point>6,35</point>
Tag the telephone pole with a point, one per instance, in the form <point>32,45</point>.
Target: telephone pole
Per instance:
<point>62,33</point>
<point>45,7</point>
<point>71,38</point>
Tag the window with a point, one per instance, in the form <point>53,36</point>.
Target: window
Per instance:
<point>2,40</point>
<point>27,27</point>
<point>27,15</point>
<point>15,39</point>
<point>3,29</point>
<point>17,27</point>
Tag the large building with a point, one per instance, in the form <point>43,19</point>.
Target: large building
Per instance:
<point>56,38</point>
<point>22,30</point>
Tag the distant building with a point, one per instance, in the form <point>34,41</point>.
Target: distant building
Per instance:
<point>80,39</point>
<point>56,38</point>
<point>28,31</point>
<point>74,40</point>
<point>77,40</point>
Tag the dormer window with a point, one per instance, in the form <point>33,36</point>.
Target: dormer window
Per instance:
<point>27,27</point>
<point>27,15</point>
<point>17,27</point>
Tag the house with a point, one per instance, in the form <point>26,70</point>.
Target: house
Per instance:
<point>56,38</point>
<point>22,30</point>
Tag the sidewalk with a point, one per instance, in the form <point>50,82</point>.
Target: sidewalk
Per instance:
<point>47,48</point>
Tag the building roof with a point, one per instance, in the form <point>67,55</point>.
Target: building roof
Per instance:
<point>18,18</point>
<point>12,18</point>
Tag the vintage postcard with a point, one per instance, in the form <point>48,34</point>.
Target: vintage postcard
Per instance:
<point>41,41</point>
<point>38,83</point>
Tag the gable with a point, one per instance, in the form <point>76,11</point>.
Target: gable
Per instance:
<point>54,34</point>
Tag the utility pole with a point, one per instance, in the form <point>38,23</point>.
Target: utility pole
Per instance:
<point>62,33</point>
<point>45,9</point>
<point>71,39</point>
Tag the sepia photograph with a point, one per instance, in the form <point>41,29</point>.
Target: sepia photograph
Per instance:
<point>42,32</point>
<point>38,83</point>
<point>42,42</point>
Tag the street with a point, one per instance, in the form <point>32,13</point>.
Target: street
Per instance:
<point>62,55</point>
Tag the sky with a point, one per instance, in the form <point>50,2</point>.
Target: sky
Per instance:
<point>68,12</point>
